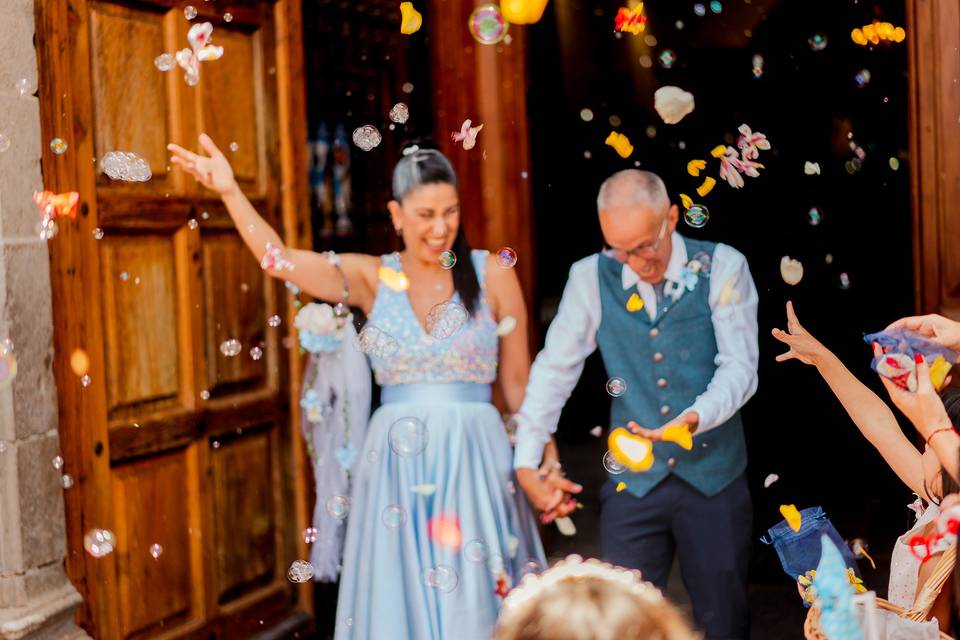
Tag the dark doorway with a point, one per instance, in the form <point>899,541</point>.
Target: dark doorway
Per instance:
<point>857,259</point>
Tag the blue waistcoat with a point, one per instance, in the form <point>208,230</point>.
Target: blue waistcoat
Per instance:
<point>666,363</point>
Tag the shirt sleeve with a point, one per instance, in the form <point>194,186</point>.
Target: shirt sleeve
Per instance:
<point>572,337</point>
<point>733,305</point>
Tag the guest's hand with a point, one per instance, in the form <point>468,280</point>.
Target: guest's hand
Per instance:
<point>803,346</point>
<point>941,330</point>
<point>923,407</point>
<point>549,495</point>
<point>213,171</point>
<point>690,418</point>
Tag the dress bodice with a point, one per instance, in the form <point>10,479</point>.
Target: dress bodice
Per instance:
<point>469,355</point>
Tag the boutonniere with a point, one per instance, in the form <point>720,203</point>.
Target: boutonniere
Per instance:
<point>698,266</point>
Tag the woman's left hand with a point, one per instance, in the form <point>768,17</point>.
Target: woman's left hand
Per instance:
<point>922,407</point>
<point>803,346</point>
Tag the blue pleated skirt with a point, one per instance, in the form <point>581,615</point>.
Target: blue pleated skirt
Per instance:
<point>437,525</point>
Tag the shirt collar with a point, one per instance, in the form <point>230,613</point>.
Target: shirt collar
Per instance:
<point>678,259</point>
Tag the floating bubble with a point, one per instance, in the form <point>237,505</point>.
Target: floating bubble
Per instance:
<point>393,516</point>
<point>256,353</point>
<point>476,551</point>
<point>586,115</point>
<point>98,234</point>
<point>616,387</point>
<point>667,58</point>
<point>445,319</point>
<point>234,147</point>
<point>699,9</point>
<point>58,146</point>
<point>126,166</point>
<point>844,281</point>
<point>85,381</point>
<point>57,463</point>
<point>228,17</point>
<point>189,12</point>
<point>862,78</point>
<point>300,571</point>
<point>4,142</point>
<point>165,62</point>
<point>487,25</point>
<point>274,321</point>
<point>531,566</point>
<point>614,120</point>
<point>377,343</point>
<point>204,395</point>
<point>645,61</point>
<point>757,65</point>
<point>818,41</point>
<point>309,535</point>
<point>814,216</point>
<point>448,259</point>
<point>716,7</point>
<point>66,481</point>
<point>367,137</point>
<point>373,457</point>
<point>99,542</point>
<point>338,507</point>
<point>400,113</point>
<point>407,87</point>
<point>696,216</point>
<point>23,87</point>
<point>408,437</point>
<point>156,551</point>
<point>506,257</point>
<point>611,465</point>
<point>231,347</point>
<point>442,577</point>
<point>894,164</point>
<point>192,223</point>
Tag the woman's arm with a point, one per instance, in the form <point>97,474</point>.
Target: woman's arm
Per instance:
<point>310,271</point>
<point>871,414</point>
<point>506,299</point>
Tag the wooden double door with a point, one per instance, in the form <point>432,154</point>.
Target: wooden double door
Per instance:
<point>181,449</point>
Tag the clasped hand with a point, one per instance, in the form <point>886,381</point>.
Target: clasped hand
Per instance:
<point>547,489</point>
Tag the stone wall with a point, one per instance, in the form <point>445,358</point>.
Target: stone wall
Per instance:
<point>36,599</point>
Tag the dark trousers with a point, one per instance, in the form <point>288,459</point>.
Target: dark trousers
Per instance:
<point>711,535</point>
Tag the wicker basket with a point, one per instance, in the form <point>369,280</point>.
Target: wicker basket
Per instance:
<point>921,606</point>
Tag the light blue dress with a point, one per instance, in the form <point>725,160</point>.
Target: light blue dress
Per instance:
<point>438,529</point>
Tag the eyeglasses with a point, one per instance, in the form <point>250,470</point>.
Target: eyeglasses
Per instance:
<point>644,250</point>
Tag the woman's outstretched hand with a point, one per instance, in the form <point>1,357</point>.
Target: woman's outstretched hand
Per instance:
<point>212,171</point>
<point>803,346</point>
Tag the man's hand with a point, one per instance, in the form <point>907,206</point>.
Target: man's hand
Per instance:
<point>549,495</point>
<point>690,418</point>
<point>939,329</point>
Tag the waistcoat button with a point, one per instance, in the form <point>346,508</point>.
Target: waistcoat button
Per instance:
<point>672,462</point>
<point>664,410</point>
<point>662,383</point>
<point>658,357</point>
<point>654,332</point>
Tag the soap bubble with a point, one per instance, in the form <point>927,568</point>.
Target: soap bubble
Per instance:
<point>844,281</point>
<point>165,62</point>
<point>448,259</point>
<point>256,353</point>
<point>894,163</point>
<point>189,12</point>
<point>586,115</point>
<point>393,516</point>
<point>667,58</point>
<point>616,387</point>
<point>506,257</point>
<point>367,137</point>
<point>156,551</point>
<point>204,395</point>
<point>531,566</point>
<point>757,65</point>
<point>228,17</point>
<point>66,481</point>
<point>99,542</point>
<point>300,571</point>
<point>230,347</point>
<point>487,25</point>
<point>98,234</point>
<point>814,216</point>
<point>377,343</point>
<point>476,551</point>
<point>407,87</point>
<point>716,7</point>
<point>696,216</point>
<point>310,535</point>
<point>274,321</point>
<point>126,166</point>
<point>862,78</point>
<point>441,577</point>
<point>338,507</point>
<point>58,146</point>
<point>234,147</point>
<point>192,223</point>
<point>611,465</point>
<point>408,437</point>
<point>818,41</point>
<point>85,380</point>
<point>4,142</point>
<point>57,463</point>
<point>399,113</point>
<point>445,319</point>
<point>699,9</point>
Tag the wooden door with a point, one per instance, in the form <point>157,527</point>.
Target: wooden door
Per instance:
<point>174,441</point>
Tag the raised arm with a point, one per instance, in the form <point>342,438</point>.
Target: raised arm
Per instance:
<point>867,410</point>
<point>310,271</point>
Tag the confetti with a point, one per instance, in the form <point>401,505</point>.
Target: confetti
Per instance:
<point>620,143</point>
<point>410,19</point>
<point>597,431</point>
<point>424,489</point>
<point>678,434</point>
<point>565,526</point>
<point>57,205</point>
<point>467,134</point>
<point>444,530</point>
<point>523,11</point>
<point>630,20</point>
<point>506,326</point>
<point>165,62</point>
<point>621,486</point>
<point>769,480</point>
<point>791,515</point>
<point>396,280</point>
<point>79,362</point>
<point>729,295</point>
<point>706,187</point>
<point>634,302</point>
<point>694,167</point>
<point>632,451</point>
<point>859,548</point>
<point>200,50</point>
<point>877,31</point>
<point>487,25</point>
<point>791,270</point>
<point>811,168</point>
<point>686,201</point>
<point>673,103</point>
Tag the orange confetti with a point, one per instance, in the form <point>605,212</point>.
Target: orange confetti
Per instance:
<point>706,187</point>
<point>445,531</point>
<point>79,362</point>
<point>634,303</point>
<point>620,143</point>
<point>57,205</point>
<point>719,151</point>
<point>791,515</point>
<point>630,20</point>
<point>632,451</point>
<point>694,167</point>
<point>678,434</point>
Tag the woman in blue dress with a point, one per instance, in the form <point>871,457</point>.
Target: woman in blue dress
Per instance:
<point>438,531</point>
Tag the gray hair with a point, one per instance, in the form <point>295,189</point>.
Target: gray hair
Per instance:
<point>633,187</point>
<point>418,167</point>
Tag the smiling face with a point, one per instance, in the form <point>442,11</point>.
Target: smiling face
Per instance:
<point>639,236</point>
<point>428,218</point>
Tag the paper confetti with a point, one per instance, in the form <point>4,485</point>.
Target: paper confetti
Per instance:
<point>706,187</point>
<point>565,526</point>
<point>523,11</point>
<point>620,143</point>
<point>410,19</point>
<point>424,489</point>
<point>467,134</point>
<point>632,451</point>
<point>634,303</point>
<point>791,515</point>
<point>811,168</point>
<point>769,480</point>
<point>679,434</point>
<point>597,431</point>
<point>630,20</point>
<point>396,280</point>
<point>506,326</point>
<point>621,486</point>
<point>694,167</point>
<point>673,103</point>
<point>791,270</point>
<point>57,205</point>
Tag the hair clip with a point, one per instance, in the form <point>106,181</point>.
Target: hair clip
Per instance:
<point>411,150</point>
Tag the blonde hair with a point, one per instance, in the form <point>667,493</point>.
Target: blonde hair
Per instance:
<point>589,600</point>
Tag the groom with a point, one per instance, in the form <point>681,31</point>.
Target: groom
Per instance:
<point>688,355</point>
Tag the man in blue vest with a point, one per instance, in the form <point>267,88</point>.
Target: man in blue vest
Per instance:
<point>687,355</point>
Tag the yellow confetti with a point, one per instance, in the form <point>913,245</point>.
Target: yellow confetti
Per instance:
<point>791,515</point>
<point>686,200</point>
<point>938,371</point>
<point>522,11</point>
<point>620,143</point>
<point>632,451</point>
<point>866,555</point>
<point>719,151</point>
<point>678,434</point>
<point>621,486</point>
<point>694,167</point>
<point>729,295</point>
<point>410,19</point>
<point>634,303</point>
<point>396,280</point>
<point>706,187</point>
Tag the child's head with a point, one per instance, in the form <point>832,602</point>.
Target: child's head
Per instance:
<point>589,600</point>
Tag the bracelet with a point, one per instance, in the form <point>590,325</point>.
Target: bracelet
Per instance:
<point>340,310</point>
<point>940,430</point>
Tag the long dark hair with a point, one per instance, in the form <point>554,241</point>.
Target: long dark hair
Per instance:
<point>423,164</point>
<point>951,402</point>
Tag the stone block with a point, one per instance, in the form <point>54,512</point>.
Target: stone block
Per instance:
<point>20,174</point>
<point>18,58</point>
<point>11,560</point>
<point>42,523</point>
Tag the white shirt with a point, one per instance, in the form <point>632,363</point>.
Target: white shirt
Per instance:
<point>572,337</point>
